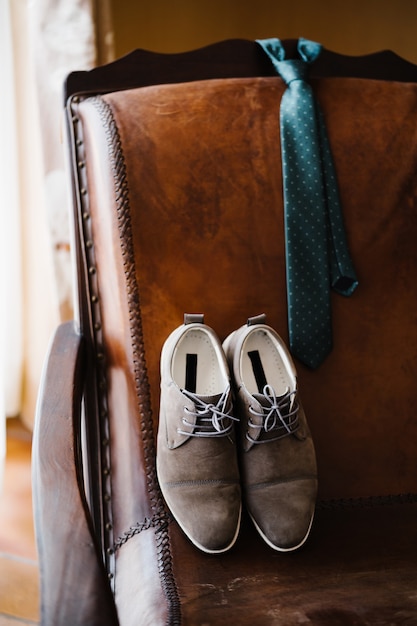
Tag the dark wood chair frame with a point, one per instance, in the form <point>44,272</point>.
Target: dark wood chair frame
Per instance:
<point>67,449</point>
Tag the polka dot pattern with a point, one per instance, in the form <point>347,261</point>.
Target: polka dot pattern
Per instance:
<point>317,255</point>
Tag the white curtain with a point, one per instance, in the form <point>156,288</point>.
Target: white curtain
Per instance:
<point>66,35</point>
<point>41,41</point>
<point>10,255</point>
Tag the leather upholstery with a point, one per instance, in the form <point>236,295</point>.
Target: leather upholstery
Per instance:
<point>184,197</point>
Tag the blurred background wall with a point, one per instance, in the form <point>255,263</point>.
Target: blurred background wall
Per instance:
<point>346,26</point>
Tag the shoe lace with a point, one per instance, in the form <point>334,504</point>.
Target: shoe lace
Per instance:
<point>279,415</point>
<point>212,420</point>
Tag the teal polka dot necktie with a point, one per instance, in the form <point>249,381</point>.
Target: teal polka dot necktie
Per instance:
<point>317,255</point>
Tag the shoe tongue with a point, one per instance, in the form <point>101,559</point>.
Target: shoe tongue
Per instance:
<point>209,399</point>
<point>267,403</point>
<point>264,401</point>
<point>212,407</point>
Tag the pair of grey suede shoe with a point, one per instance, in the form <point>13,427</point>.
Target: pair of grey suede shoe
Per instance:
<point>221,442</point>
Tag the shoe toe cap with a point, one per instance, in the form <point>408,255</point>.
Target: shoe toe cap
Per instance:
<point>208,514</point>
<point>283,512</point>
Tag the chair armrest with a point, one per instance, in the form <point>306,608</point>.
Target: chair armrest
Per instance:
<point>74,585</point>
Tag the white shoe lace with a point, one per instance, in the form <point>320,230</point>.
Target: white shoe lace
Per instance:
<point>279,415</point>
<point>212,420</point>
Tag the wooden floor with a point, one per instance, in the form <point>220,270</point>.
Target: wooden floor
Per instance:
<point>19,579</point>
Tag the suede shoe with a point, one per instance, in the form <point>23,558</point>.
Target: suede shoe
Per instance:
<point>197,464</point>
<point>278,463</point>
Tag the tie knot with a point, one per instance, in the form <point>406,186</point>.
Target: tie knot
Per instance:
<point>290,70</point>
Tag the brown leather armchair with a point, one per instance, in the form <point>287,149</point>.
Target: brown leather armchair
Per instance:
<point>177,196</point>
